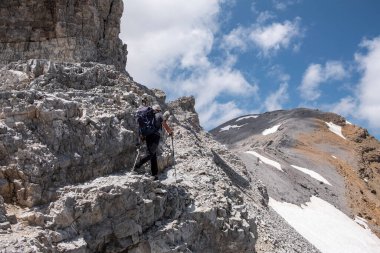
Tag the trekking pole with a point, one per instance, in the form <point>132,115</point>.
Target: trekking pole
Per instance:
<point>175,169</point>
<point>137,156</point>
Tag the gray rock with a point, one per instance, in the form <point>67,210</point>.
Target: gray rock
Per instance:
<point>61,30</point>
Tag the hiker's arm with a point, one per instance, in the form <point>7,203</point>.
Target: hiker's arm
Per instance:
<point>167,128</point>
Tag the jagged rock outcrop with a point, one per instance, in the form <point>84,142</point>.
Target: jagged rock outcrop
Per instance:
<point>62,30</point>
<point>72,123</point>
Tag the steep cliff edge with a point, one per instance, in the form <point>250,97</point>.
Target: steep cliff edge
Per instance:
<point>62,30</point>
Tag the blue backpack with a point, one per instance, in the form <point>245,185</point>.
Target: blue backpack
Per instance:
<point>146,120</point>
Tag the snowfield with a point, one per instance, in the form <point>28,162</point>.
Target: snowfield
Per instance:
<point>271,130</point>
<point>247,117</point>
<point>335,129</point>
<point>327,228</point>
<point>311,173</point>
<point>226,128</point>
<point>266,160</point>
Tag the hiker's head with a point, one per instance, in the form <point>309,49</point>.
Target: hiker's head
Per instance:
<point>144,99</point>
<point>156,108</point>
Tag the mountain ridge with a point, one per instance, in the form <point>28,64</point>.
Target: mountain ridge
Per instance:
<point>318,143</point>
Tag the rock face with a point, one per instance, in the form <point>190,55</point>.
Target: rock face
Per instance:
<point>79,118</point>
<point>62,30</point>
<point>67,145</point>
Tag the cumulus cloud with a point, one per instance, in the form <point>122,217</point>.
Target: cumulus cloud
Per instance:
<point>271,38</point>
<point>158,41</point>
<point>346,106</point>
<point>276,99</point>
<point>268,38</point>
<point>316,74</point>
<point>369,85</point>
<point>210,84</point>
<point>236,39</point>
<point>218,113</point>
<point>171,52</point>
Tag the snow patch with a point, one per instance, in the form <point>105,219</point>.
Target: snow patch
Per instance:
<point>361,221</point>
<point>247,117</point>
<point>311,173</point>
<point>266,160</point>
<point>271,130</point>
<point>333,156</point>
<point>348,123</point>
<point>226,128</point>
<point>335,129</point>
<point>326,227</point>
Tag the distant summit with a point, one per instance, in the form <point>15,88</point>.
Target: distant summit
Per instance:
<point>62,30</point>
<point>321,173</point>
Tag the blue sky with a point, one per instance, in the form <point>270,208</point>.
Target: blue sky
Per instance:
<point>241,57</point>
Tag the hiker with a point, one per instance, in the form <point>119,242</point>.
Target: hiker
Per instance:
<point>151,121</point>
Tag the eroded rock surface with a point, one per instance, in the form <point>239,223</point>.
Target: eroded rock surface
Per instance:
<point>62,30</point>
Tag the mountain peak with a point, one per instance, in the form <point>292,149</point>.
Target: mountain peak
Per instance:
<point>305,157</point>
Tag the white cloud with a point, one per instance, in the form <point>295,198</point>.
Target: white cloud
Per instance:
<point>276,99</point>
<point>346,106</point>
<point>283,5</point>
<point>267,38</point>
<point>208,85</point>
<point>264,16</point>
<point>158,41</point>
<point>218,113</point>
<point>364,103</point>
<point>334,70</point>
<point>275,36</point>
<point>236,39</point>
<point>316,74</point>
<point>171,52</point>
<point>369,85</point>
<point>310,82</point>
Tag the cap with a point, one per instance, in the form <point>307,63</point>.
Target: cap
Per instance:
<point>156,107</point>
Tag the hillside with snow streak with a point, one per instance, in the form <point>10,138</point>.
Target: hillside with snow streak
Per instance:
<point>321,172</point>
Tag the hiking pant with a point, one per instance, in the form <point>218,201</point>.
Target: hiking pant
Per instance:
<point>152,142</point>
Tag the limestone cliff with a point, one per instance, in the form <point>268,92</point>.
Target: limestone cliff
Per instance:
<point>62,30</point>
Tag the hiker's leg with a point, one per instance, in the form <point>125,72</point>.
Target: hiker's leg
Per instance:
<point>155,140</point>
<point>154,165</point>
<point>152,145</point>
<point>148,156</point>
